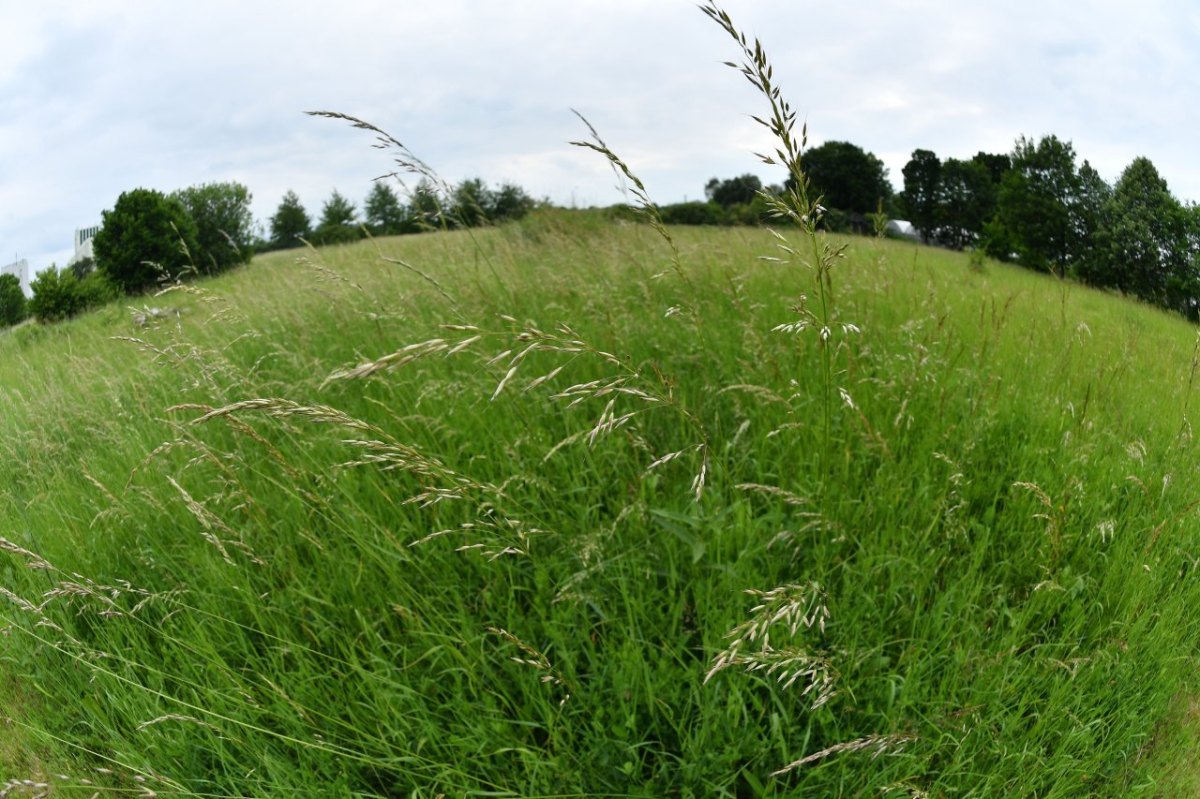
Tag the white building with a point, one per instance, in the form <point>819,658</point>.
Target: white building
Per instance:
<point>19,269</point>
<point>83,243</point>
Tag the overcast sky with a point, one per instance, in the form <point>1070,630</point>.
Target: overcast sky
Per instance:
<point>100,97</point>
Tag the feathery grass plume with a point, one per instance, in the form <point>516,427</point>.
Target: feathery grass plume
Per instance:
<point>536,659</point>
<point>407,163</point>
<point>875,744</point>
<point>795,204</point>
<point>645,205</point>
<point>790,607</point>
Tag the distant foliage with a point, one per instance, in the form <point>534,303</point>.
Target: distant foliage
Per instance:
<point>474,204</point>
<point>846,177</point>
<point>339,223</point>
<point>58,294</point>
<point>384,213</point>
<point>694,213</point>
<point>1038,209</point>
<point>82,267</point>
<point>224,224</point>
<point>12,301</point>
<point>147,238</point>
<point>290,224</point>
<point>733,191</point>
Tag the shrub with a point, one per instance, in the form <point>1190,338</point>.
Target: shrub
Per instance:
<point>693,213</point>
<point>56,295</point>
<point>146,238</point>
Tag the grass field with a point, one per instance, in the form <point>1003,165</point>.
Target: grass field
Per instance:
<point>530,512</point>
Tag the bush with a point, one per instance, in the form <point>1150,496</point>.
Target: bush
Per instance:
<point>56,295</point>
<point>146,238</point>
<point>692,213</point>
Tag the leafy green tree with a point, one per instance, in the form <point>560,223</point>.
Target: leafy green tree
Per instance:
<point>290,223</point>
<point>1144,247</point>
<point>224,224</point>
<point>13,306</point>
<point>1035,205</point>
<point>995,163</point>
<point>510,202</point>
<point>339,223</point>
<point>919,201</point>
<point>734,191</point>
<point>965,199</point>
<point>385,215</point>
<point>425,208</point>
<point>1090,220</point>
<point>847,177</point>
<point>471,203</point>
<point>146,238</point>
<point>83,267</point>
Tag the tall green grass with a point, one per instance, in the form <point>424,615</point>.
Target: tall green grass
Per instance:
<point>575,508</point>
<point>253,605</point>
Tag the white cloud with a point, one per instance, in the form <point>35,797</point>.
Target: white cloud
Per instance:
<point>99,98</point>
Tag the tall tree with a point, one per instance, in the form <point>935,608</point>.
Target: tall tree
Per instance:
<point>965,198</point>
<point>472,202</point>
<point>847,177</point>
<point>338,223</point>
<point>1145,247</point>
<point>290,223</point>
<point>919,201</point>
<point>224,224</point>
<point>1035,204</point>
<point>383,211</point>
<point>12,301</point>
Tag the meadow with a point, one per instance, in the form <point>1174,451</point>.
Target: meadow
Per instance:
<point>554,509</point>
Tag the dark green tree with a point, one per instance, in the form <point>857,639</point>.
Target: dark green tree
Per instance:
<point>510,202</point>
<point>425,208</point>
<point>1144,247</point>
<point>290,224</point>
<point>966,199</point>
<point>146,238</point>
<point>734,191</point>
<point>995,163</point>
<point>471,203</point>
<point>385,215</point>
<point>83,267</point>
<point>1089,217</point>
<point>13,306</point>
<point>338,223</point>
<point>1035,205</point>
<point>847,177</point>
<point>224,224</point>
<point>919,201</point>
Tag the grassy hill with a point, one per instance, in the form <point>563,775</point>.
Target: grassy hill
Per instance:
<point>531,512</point>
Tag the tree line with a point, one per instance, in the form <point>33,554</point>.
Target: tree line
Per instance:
<point>1039,208</point>
<point>1036,206</point>
<point>471,203</point>
<point>149,238</point>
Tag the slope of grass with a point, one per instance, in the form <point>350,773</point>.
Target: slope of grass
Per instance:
<point>477,514</point>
